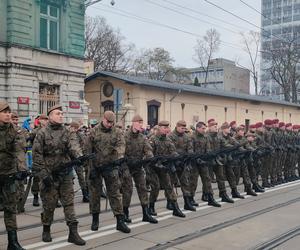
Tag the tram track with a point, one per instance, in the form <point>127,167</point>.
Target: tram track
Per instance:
<point>214,228</point>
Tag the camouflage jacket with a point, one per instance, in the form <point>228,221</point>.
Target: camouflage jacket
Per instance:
<point>182,142</point>
<point>8,141</point>
<point>200,142</point>
<point>162,146</point>
<point>213,141</point>
<point>226,140</point>
<point>22,136</point>
<point>137,146</point>
<point>53,147</point>
<point>107,144</point>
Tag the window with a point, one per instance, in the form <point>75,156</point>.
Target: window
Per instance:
<point>49,27</point>
<point>48,97</point>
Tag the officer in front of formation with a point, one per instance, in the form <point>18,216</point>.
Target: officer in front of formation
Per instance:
<point>8,167</point>
<point>53,147</point>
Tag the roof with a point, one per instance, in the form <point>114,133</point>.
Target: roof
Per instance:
<point>185,88</point>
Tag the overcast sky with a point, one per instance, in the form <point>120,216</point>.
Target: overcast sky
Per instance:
<point>179,44</point>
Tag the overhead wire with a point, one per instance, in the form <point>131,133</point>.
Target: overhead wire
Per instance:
<point>127,14</point>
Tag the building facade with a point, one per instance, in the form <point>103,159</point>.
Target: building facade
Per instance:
<point>157,100</point>
<point>41,56</point>
<point>280,20</point>
<point>222,74</point>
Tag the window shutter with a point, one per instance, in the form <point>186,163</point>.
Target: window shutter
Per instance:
<point>53,35</point>
<point>43,33</point>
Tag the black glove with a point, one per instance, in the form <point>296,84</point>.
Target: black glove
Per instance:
<point>22,175</point>
<point>48,181</point>
<point>133,163</point>
<point>93,174</point>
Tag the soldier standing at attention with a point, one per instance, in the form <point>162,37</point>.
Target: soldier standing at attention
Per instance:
<point>183,145</point>
<point>201,145</point>
<point>8,167</point>
<point>53,147</point>
<point>162,146</point>
<point>108,144</point>
<point>137,149</point>
<point>35,189</point>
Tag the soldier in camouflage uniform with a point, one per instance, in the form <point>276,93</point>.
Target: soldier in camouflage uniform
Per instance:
<point>53,147</point>
<point>233,128</point>
<point>108,144</point>
<point>183,145</point>
<point>201,145</point>
<point>217,167</point>
<point>268,162</point>
<point>35,189</point>
<point>242,164</point>
<point>158,174</point>
<point>21,159</point>
<point>226,141</point>
<point>8,167</point>
<point>282,152</point>
<point>137,149</point>
<point>80,170</point>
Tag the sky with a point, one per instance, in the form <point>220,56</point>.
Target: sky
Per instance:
<point>192,17</point>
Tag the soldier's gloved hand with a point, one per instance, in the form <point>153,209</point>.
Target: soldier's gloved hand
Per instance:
<point>200,161</point>
<point>48,181</point>
<point>22,175</point>
<point>178,164</point>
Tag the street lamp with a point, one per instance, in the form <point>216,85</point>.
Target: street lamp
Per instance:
<point>88,3</point>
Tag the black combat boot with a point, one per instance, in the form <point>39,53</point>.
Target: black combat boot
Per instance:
<point>249,191</point>
<point>74,237</point>
<point>85,196</point>
<point>13,243</point>
<point>121,225</point>
<point>126,215</point>
<point>177,212</point>
<point>46,237</point>
<point>187,204</point>
<point>169,205</point>
<point>95,222</point>
<point>193,202</point>
<point>204,197</point>
<point>257,188</point>
<point>147,217</point>
<point>35,201</point>
<point>236,194</point>
<point>225,198</point>
<point>152,209</point>
<point>212,201</point>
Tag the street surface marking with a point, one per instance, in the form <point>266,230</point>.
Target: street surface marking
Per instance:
<point>109,229</point>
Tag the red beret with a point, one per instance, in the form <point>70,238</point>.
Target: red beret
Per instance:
<point>275,121</point>
<point>259,125</point>
<point>288,124</point>
<point>252,126</point>
<point>232,123</point>
<point>281,124</point>
<point>268,122</point>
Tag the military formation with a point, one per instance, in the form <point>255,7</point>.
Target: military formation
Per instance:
<point>106,155</point>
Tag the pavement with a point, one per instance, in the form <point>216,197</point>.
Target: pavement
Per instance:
<point>267,221</point>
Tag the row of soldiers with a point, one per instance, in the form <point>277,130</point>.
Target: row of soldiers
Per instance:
<point>120,157</point>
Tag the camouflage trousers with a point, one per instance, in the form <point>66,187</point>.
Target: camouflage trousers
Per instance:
<point>9,199</point>
<point>20,193</point>
<point>230,176</point>
<point>81,173</point>
<point>183,175</point>
<point>139,177</point>
<point>253,173</point>
<point>220,177</point>
<point>63,190</point>
<point>203,171</point>
<point>159,177</point>
<point>113,184</point>
<point>241,170</point>
<point>35,188</point>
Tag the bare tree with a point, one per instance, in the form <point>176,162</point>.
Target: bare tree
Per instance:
<point>251,45</point>
<point>154,63</point>
<point>106,47</point>
<point>206,48</point>
<point>284,57</point>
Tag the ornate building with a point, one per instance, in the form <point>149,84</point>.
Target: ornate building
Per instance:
<point>41,55</point>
